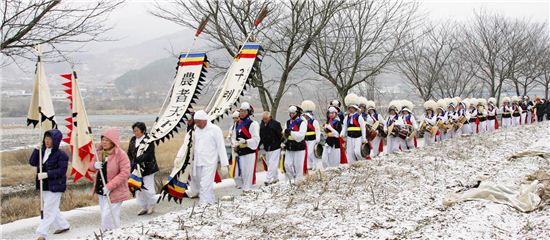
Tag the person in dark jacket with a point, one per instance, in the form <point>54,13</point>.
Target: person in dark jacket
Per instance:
<point>54,178</point>
<point>539,109</point>
<point>148,164</point>
<point>271,136</point>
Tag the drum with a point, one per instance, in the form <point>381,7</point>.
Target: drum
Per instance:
<point>365,150</point>
<point>318,150</point>
<point>404,133</point>
<point>371,134</point>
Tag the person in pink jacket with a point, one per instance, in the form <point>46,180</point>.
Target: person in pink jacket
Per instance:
<point>115,165</point>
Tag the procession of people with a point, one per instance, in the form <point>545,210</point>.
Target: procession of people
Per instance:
<point>310,139</point>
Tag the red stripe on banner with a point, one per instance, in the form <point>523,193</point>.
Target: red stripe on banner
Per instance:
<point>68,84</point>
<point>68,76</point>
<point>68,91</point>
<point>247,55</point>
<point>190,63</point>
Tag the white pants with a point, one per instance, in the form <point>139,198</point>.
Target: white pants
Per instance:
<point>376,146</point>
<point>466,128</point>
<point>147,198</point>
<point>202,183</point>
<point>428,139</point>
<point>246,167</point>
<point>408,143</point>
<point>272,159</point>
<point>294,163</point>
<point>393,144</point>
<point>331,156</point>
<point>482,126</point>
<point>52,215</point>
<point>506,122</point>
<point>312,161</point>
<point>516,121</point>
<point>529,117</point>
<point>353,149</point>
<point>523,117</point>
<point>490,125</point>
<point>106,218</point>
<point>449,134</point>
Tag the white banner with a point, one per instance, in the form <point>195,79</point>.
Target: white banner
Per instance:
<point>235,80</point>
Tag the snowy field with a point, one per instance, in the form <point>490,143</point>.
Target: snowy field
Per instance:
<point>396,196</point>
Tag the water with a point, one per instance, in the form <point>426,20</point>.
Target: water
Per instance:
<point>14,134</point>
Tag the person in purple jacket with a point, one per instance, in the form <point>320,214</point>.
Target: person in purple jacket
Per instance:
<point>54,177</point>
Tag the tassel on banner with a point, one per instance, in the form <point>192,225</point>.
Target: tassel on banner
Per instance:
<point>261,16</point>
<point>202,26</point>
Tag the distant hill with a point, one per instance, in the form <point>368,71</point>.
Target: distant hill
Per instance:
<point>154,77</point>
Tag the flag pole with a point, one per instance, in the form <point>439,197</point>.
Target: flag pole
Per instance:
<point>259,18</point>
<point>94,150</point>
<point>40,165</point>
<point>200,28</point>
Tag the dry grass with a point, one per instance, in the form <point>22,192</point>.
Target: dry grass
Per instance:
<point>21,207</point>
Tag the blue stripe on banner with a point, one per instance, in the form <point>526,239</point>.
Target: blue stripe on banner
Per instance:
<point>135,177</point>
<point>180,184</point>
<point>251,46</point>
<point>193,55</point>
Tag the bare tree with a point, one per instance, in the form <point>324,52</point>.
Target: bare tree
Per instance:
<point>423,62</point>
<point>50,22</point>
<point>544,78</point>
<point>360,41</point>
<point>530,48</point>
<point>286,37</point>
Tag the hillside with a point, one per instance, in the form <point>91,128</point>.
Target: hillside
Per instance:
<point>395,197</point>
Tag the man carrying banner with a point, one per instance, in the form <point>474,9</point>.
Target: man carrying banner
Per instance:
<point>208,150</point>
<point>246,139</point>
<point>54,181</point>
<point>271,137</point>
<point>146,197</point>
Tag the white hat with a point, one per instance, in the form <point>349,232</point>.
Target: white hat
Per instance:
<point>200,115</point>
<point>292,109</point>
<point>371,105</point>
<point>335,103</point>
<point>492,100</point>
<point>235,114</point>
<point>430,104</point>
<point>395,105</point>
<point>245,106</point>
<point>332,109</point>
<point>506,99</point>
<point>515,98</point>
<point>351,100</point>
<point>443,103</point>
<point>362,101</point>
<point>407,106</point>
<point>308,105</point>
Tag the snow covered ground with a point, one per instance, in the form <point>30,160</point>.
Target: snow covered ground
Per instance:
<point>394,197</point>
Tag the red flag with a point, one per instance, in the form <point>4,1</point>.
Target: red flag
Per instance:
<point>202,26</point>
<point>261,16</point>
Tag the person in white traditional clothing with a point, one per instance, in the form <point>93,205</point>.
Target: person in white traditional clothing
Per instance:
<point>236,118</point>
<point>208,151</point>
<point>313,134</point>
<point>408,121</point>
<point>354,129</point>
<point>506,112</point>
<point>530,110</point>
<point>516,111</point>
<point>375,121</point>
<point>295,145</point>
<point>362,103</point>
<point>492,122</point>
<point>451,116</point>
<point>523,104</point>
<point>335,103</point>
<point>462,115</point>
<point>441,119</point>
<point>429,121</point>
<point>246,140</point>
<point>393,141</point>
<point>472,113</point>
<point>333,149</point>
<point>481,115</point>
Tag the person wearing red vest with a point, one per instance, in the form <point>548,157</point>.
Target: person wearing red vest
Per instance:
<point>313,134</point>
<point>407,118</point>
<point>246,139</point>
<point>333,151</point>
<point>295,164</point>
<point>354,129</point>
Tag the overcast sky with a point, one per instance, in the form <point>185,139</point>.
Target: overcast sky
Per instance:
<point>133,24</point>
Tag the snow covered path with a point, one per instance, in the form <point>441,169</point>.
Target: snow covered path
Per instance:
<point>85,221</point>
<point>398,196</point>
